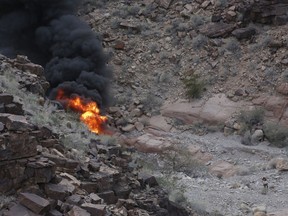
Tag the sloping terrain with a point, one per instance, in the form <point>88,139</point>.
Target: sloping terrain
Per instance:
<point>237,51</point>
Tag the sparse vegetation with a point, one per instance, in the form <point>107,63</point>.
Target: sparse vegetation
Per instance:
<point>199,42</point>
<point>249,119</point>
<point>232,45</point>
<point>276,134</point>
<point>151,102</point>
<point>194,86</point>
<point>197,20</point>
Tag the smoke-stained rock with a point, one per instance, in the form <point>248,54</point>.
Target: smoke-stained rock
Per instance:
<point>49,33</point>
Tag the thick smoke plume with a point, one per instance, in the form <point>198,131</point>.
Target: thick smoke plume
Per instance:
<point>49,33</point>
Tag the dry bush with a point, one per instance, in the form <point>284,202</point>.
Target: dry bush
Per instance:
<point>276,134</point>
<point>249,119</point>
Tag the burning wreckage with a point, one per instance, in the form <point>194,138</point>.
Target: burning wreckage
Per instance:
<point>50,34</point>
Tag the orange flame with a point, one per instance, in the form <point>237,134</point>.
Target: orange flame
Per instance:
<point>90,113</point>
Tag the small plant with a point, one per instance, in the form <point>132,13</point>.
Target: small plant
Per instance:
<point>151,102</point>
<point>276,134</point>
<point>197,20</point>
<point>199,42</point>
<point>232,45</point>
<point>194,86</point>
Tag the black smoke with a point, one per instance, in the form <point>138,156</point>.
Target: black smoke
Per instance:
<point>50,33</point>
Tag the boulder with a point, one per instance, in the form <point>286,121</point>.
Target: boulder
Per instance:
<point>15,122</point>
<point>95,199</point>
<point>17,145</point>
<point>19,210</point>
<point>219,29</point>
<point>6,98</point>
<point>109,197</point>
<point>77,211</point>
<point>223,169</point>
<point>35,203</point>
<point>159,122</point>
<point>149,143</point>
<point>94,209</point>
<point>56,191</point>
<point>244,33</point>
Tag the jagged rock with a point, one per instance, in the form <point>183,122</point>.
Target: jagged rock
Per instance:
<point>15,122</point>
<point>17,145</point>
<point>41,171</point>
<point>46,133</point>
<point>35,203</point>
<point>63,164</point>
<point>84,171</point>
<point>268,11</point>
<point>14,108</point>
<point>77,211</point>
<point>19,210</point>
<point>159,123</point>
<point>90,187</point>
<point>95,199</point>
<point>71,178</point>
<point>109,197</point>
<point>70,188</point>
<point>127,203</point>
<point>94,209</point>
<point>49,143</point>
<point>122,190</point>
<point>54,212</point>
<point>214,30</point>
<point>139,126</point>
<point>56,191</point>
<point>74,199</point>
<point>11,175</point>
<point>6,98</point>
<point>94,166</point>
<point>244,33</point>
<point>147,179</point>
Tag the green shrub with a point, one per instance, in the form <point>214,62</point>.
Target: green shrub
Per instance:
<point>276,134</point>
<point>194,86</point>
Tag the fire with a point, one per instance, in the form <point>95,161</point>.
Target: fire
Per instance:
<point>90,113</point>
